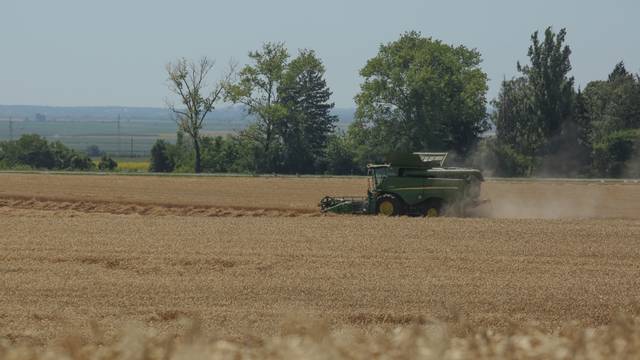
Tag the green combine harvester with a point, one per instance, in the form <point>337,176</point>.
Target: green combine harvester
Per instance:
<point>417,184</point>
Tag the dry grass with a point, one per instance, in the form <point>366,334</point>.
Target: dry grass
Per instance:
<point>543,287</point>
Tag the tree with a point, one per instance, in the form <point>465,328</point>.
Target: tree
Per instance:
<point>340,158</point>
<point>615,103</point>
<point>537,123</point>
<point>36,152</point>
<point>582,119</point>
<point>514,118</point>
<point>222,154</point>
<point>517,135</point>
<point>613,155</point>
<point>188,80</point>
<point>611,108</point>
<point>551,87</point>
<point>422,94</point>
<point>308,121</point>
<point>69,159</point>
<point>290,101</point>
<point>257,89</point>
<point>577,140</point>
<point>161,158</point>
<point>107,163</point>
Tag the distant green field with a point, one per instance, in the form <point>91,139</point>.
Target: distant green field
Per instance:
<point>133,139</point>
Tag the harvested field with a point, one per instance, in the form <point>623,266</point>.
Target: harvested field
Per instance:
<point>150,209</point>
<point>287,195</point>
<point>74,262</point>
<point>248,274</point>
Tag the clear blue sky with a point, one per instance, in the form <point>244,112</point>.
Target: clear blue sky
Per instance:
<point>98,52</point>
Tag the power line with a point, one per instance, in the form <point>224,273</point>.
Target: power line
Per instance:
<point>119,149</point>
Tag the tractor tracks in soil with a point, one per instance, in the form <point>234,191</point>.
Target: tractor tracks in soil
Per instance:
<point>144,208</point>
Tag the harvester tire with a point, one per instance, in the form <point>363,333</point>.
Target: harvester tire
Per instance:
<point>433,208</point>
<point>389,205</point>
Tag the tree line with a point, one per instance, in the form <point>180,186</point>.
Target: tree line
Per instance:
<point>287,97</point>
<point>32,151</point>
<point>544,126</point>
<point>417,94</point>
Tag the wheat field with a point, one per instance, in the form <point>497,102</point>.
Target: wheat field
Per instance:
<point>122,267</point>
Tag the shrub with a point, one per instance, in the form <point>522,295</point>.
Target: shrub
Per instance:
<point>513,163</point>
<point>339,156</point>
<point>161,158</point>
<point>614,156</point>
<point>34,151</point>
<point>107,163</point>
<point>224,154</point>
<point>69,159</point>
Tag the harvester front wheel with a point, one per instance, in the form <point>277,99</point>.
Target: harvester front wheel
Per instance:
<point>433,208</point>
<point>389,205</point>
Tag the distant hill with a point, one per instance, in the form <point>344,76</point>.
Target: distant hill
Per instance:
<point>226,114</point>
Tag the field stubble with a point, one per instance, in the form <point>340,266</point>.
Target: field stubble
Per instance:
<point>291,195</point>
<point>67,269</point>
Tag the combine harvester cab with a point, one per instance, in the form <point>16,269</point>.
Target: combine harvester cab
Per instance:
<point>417,184</point>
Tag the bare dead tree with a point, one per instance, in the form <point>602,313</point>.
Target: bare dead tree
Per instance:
<point>188,80</point>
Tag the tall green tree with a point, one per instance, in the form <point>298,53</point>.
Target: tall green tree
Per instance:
<point>515,117</point>
<point>421,94</point>
<point>612,110</point>
<point>582,119</point>
<point>290,101</point>
<point>518,135</point>
<point>551,86</point>
<point>188,81</point>
<point>614,104</point>
<point>308,122</point>
<point>160,157</point>
<point>535,114</point>
<point>257,89</point>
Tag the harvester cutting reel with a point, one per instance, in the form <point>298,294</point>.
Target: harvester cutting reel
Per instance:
<point>344,205</point>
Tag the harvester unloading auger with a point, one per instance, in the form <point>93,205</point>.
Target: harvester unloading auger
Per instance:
<point>416,184</point>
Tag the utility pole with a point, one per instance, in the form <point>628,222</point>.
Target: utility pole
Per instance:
<point>10,128</point>
<point>119,150</point>
<point>132,146</point>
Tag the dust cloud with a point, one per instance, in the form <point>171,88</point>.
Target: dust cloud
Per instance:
<point>559,200</point>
